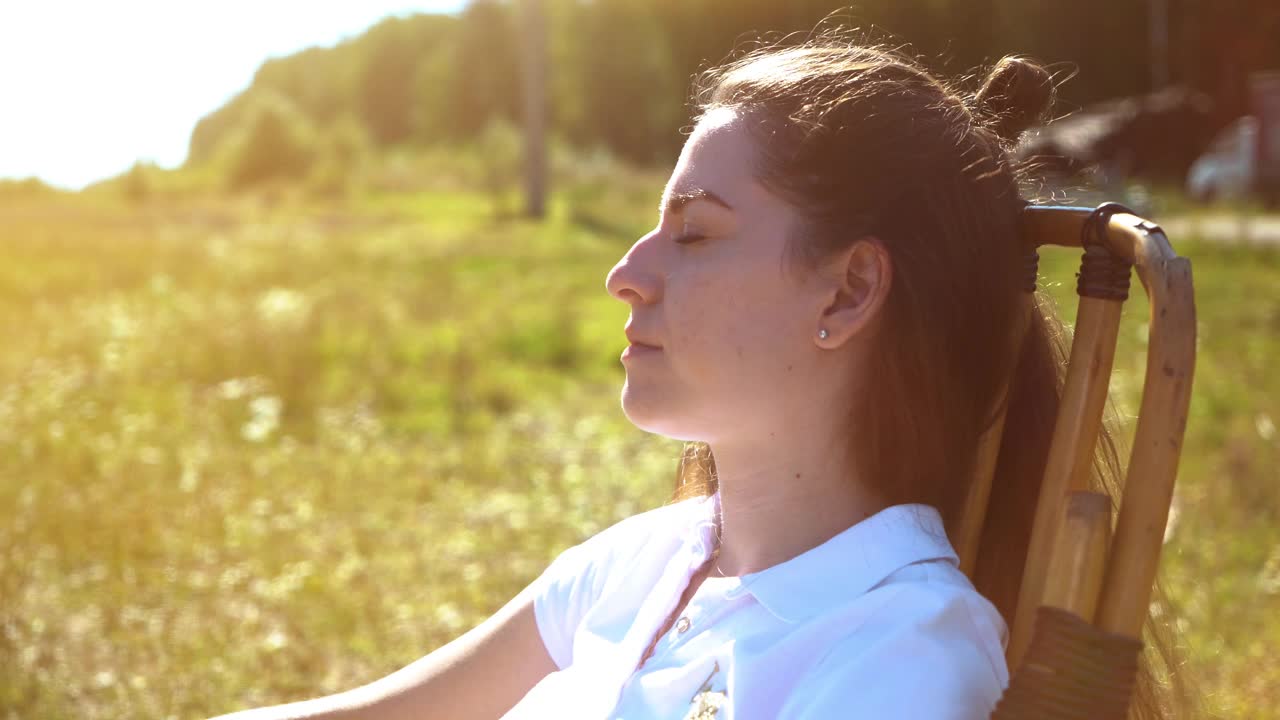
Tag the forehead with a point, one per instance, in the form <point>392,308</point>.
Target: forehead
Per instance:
<point>717,157</point>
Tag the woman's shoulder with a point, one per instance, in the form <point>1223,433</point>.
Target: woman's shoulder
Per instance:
<point>650,532</point>
<point>670,520</point>
<point>935,648</point>
<point>949,608</point>
<point>624,556</point>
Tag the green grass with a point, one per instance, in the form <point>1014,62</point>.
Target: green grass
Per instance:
<point>258,451</point>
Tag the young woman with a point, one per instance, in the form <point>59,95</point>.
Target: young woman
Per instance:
<point>826,310</point>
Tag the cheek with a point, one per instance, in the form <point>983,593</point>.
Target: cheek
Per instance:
<point>731,328</point>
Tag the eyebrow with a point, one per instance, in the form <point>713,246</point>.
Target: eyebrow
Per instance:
<point>676,201</point>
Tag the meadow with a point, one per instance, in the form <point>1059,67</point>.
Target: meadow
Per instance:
<point>259,448</point>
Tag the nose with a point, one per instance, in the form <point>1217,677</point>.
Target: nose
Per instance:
<point>634,279</point>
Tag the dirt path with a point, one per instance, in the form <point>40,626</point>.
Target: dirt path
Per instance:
<point>1225,228</point>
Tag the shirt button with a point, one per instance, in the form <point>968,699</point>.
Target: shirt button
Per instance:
<point>682,625</point>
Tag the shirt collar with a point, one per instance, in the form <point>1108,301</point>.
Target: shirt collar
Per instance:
<point>844,567</point>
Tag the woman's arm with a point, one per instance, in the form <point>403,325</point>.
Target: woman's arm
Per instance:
<point>481,674</point>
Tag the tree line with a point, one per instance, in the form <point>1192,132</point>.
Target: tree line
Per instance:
<point>620,70</point>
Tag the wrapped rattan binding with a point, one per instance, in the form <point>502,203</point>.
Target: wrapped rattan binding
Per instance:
<point>1072,671</point>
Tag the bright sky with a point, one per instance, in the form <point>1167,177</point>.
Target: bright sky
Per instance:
<point>88,87</point>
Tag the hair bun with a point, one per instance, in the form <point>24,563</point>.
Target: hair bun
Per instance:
<point>1016,95</point>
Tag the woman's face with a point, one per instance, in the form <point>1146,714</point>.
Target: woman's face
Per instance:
<point>734,334</point>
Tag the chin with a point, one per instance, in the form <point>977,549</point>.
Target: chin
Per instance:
<point>644,408</point>
<point>639,408</point>
<point>646,411</point>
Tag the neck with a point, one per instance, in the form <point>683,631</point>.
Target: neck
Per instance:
<point>774,506</point>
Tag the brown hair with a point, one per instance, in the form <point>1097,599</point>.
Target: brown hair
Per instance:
<point>864,142</point>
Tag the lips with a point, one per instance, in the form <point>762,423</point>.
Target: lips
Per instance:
<point>634,350</point>
<point>637,339</point>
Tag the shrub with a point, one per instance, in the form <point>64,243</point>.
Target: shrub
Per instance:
<point>342,153</point>
<point>501,150</point>
<point>277,142</point>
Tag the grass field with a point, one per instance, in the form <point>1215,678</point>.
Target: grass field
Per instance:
<point>256,451</point>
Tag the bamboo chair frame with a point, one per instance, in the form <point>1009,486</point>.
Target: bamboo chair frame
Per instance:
<point>1075,561</point>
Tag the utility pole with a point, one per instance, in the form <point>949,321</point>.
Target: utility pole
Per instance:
<point>533,34</point>
<point>1158,22</point>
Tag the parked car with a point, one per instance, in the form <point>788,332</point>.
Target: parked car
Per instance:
<point>1152,137</point>
<point>1243,160</point>
<point>1227,169</point>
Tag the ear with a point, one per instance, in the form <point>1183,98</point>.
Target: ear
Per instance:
<point>858,280</point>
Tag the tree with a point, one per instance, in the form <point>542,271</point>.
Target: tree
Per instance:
<point>632,95</point>
<point>277,141</point>
<point>485,78</point>
<point>385,88</point>
<point>534,42</point>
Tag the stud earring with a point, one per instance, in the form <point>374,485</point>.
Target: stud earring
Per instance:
<point>822,334</point>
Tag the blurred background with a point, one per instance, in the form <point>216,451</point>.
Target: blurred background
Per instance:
<point>307,362</point>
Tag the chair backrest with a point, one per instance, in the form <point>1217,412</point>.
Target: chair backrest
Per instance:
<point>1075,561</point>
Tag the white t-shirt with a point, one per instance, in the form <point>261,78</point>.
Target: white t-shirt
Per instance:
<point>877,622</point>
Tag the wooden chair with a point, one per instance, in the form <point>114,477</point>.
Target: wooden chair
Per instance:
<point>1076,633</point>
